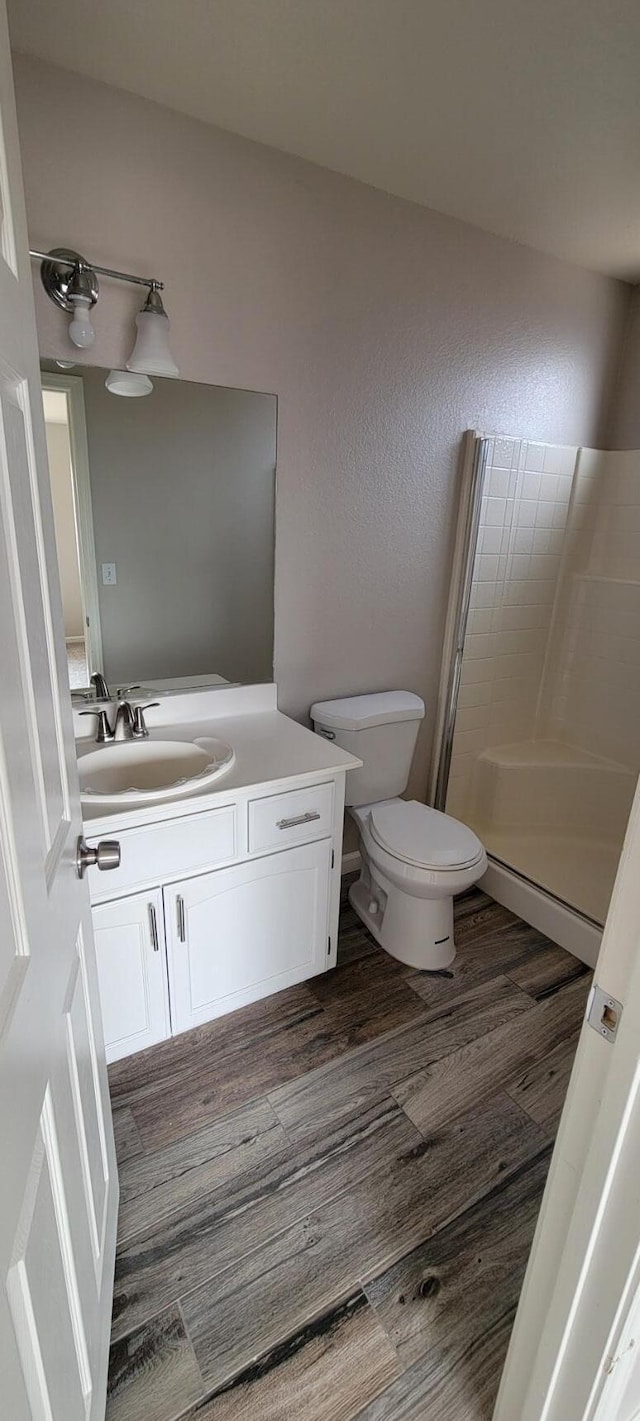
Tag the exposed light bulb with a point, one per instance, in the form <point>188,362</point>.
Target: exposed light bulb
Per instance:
<point>80,329</point>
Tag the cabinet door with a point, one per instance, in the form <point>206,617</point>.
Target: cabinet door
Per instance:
<point>241,933</point>
<point>130,948</point>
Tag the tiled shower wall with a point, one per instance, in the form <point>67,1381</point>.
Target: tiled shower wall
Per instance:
<point>515,582</point>
<point>591,690</point>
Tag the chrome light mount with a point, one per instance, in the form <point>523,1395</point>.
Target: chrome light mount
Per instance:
<point>63,272</point>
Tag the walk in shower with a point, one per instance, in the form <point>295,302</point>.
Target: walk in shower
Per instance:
<point>539,729</point>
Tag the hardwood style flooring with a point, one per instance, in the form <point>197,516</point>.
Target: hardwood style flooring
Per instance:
<point>328,1198</point>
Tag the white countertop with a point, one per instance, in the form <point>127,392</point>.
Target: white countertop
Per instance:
<point>269,748</point>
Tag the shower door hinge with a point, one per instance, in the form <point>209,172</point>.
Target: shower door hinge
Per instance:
<point>603,1013</point>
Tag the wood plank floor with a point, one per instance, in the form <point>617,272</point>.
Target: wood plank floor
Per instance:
<point>328,1197</point>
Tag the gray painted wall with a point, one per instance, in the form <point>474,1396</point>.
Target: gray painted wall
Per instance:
<point>625,427</point>
<point>385,330</point>
<point>182,488</point>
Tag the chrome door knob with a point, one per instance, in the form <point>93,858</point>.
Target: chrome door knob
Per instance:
<point>105,855</point>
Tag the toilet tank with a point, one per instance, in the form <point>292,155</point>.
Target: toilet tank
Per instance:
<point>381,730</point>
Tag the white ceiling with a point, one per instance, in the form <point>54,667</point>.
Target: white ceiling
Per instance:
<point>522,116</point>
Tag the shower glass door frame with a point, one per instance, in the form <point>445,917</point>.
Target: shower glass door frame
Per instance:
<point>474,464</point>
<point>516,758</point>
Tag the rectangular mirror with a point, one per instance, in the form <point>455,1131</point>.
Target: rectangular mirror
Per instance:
<point>164,512</point>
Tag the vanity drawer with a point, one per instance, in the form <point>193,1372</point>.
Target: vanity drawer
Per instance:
<point>294,818</point>
<point>158,852</point>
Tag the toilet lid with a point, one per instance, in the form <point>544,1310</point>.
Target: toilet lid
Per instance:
<point>423,836</point>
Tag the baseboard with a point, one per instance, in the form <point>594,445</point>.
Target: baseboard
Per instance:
<point>568,929</point>
<point>350,862</point>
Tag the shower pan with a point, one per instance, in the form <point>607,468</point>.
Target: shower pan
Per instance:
<point>538,736</point>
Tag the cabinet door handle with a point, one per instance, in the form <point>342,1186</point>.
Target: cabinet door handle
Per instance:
<point>153,928</point>
<point>307,818</point>
<point>180,917</point>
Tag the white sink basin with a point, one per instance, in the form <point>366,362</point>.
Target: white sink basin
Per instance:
<point>133,771</point>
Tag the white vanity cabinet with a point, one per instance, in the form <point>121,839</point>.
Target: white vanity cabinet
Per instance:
<point>213,908</point>
<point>244,932</point>
<point>132,973</point>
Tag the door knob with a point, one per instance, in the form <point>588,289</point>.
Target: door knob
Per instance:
<point>105,855</point>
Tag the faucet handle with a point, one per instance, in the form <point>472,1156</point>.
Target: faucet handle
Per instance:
<point>124,690</point>
<point>105,733</point>
<point>139,729</point>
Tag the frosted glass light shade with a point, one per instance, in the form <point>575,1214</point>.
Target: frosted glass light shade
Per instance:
<point>151,354</point>
<point>123,382</point>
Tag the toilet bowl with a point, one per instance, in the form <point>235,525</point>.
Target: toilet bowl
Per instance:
<point>413,859</point>
<point>413,862</point>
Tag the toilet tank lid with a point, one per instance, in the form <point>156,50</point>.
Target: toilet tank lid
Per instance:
<point>362,712</point>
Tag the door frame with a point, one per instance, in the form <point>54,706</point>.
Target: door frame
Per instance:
<point>73,388</point>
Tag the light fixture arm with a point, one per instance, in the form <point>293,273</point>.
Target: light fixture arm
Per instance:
<point>59,257</point>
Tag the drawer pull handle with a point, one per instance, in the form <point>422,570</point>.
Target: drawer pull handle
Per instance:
<point>307,818</point>
<point>180,916</point>
<point>153,928</point>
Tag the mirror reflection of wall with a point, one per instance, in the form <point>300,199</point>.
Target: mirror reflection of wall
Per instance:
<point>164,513</point>
<point>64,514</point>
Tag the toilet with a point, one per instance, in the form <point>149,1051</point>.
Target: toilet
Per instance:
<point>413,859</point>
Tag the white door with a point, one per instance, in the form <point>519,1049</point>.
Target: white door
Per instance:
<point>58,1187</point>
<point>576,1340</point>
<point>132,973</point>
<point>241,933</point>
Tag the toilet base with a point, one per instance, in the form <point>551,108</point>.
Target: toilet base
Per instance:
<point>417,931</point>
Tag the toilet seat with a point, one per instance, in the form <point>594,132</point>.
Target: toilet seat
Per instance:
<point>423,837</point>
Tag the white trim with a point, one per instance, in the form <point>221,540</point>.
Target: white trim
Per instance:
<point>350,862</point>
<point>621,1373</point>
<point>72,386</point>
<point>558,922</point>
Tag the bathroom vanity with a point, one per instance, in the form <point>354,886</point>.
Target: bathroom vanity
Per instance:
<point>229,892</point>
<point>229,815</point>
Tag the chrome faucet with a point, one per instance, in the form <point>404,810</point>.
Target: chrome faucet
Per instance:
<point>102,689</point>
<point>123,724</point>
<point>128,725</point>
<point>129,722</point>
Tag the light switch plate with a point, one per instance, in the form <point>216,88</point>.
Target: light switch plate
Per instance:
<point>109,578</point>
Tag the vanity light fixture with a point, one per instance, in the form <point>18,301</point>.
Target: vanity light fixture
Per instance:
<point>151,354</point>
<point>72,283</point>
<point>123,382</point>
